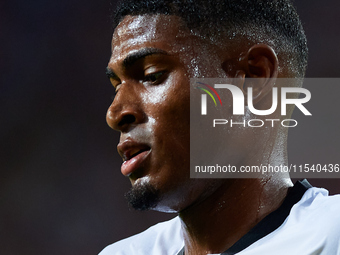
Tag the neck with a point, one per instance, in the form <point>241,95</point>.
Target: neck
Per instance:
<point>216,223</point>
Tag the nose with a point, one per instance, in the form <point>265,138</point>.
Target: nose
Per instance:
<point>125,111</point>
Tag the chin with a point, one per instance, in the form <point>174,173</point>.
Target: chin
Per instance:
<point>143,196</point>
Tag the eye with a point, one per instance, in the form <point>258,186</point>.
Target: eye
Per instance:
<point>154,78</point>
<point>116,87</point>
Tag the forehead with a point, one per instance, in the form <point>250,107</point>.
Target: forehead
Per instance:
<point>161,31</point>
<point>169,34</point>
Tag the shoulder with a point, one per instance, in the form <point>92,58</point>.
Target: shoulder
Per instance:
<point>316,212</point>
<point>316,203</point>
<point>312,227</point>
<point>162,238</point>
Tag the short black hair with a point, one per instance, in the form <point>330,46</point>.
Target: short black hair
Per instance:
<point>274,22</point>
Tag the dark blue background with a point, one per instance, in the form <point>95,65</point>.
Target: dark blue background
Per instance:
<point>61,191</point>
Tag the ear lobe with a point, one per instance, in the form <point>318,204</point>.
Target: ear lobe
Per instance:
<point>260,63</point>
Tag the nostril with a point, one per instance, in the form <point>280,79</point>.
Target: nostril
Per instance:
<point>127,119</point>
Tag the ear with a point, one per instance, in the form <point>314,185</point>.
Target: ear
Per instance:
<point>261,64</point>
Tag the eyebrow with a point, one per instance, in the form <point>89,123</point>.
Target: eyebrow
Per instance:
<point>134,57</point>
<point>140,54</point>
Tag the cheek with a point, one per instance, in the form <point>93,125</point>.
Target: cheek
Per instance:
<point>176,114</point>
<point>170,125</point>
<point>169,103</point>
<point>156,96</point>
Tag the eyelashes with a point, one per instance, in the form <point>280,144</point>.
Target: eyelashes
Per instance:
<point>155,78</point>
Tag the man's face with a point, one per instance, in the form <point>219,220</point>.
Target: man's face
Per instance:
<point>153,58</point>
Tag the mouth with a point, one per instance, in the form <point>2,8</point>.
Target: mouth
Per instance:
<point>133,155</point>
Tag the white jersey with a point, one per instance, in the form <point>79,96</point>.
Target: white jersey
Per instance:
<point>311,227</point>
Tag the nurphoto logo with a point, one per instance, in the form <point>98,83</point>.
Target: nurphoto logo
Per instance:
<point>238,106</point>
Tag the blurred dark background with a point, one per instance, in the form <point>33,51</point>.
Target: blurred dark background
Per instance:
<point>61,190</point>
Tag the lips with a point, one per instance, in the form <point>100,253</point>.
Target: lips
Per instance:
<point>133,155</point>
